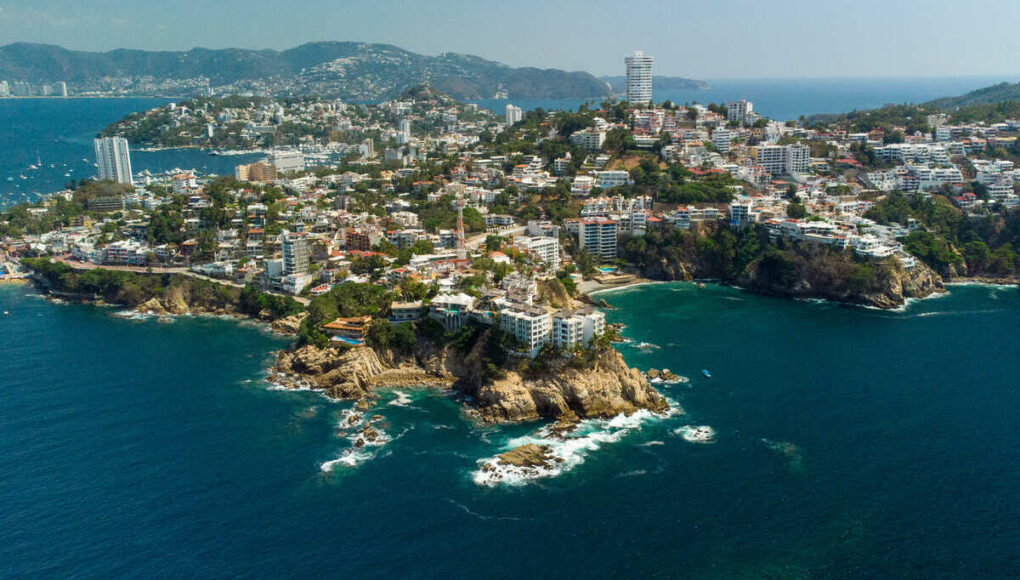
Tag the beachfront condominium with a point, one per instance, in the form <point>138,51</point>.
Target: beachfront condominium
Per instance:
<point>598,237</point>
<point>113,159</point>
<point>295,252</point>
<point>639,78</point>
<point>513,115</point>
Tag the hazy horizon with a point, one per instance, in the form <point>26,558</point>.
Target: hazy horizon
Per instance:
<point>742,40</point>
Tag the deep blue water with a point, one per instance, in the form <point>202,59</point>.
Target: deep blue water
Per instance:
<point>60,132</point>
<point>787,99</point>
<point>850,443</point>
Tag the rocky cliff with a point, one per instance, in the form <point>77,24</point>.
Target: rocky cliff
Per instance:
<point>603,387</point>
<point>893,284</point>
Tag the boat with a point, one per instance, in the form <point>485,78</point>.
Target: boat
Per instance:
<point>707,374</point>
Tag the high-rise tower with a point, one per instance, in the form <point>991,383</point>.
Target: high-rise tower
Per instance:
<point>639,78</point>
<point>113,158</point>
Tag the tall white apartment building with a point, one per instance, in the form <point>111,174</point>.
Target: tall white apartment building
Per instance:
<point>571,328</point>
<point>639,78</point>
<point>784,159</point>
<point>404,131</point>
<point>722,137</point>
<point>113,157</point>
<point>598,237</point>
<point>547,250</point>
<point>287,160</point>
<point>590,139</point>
<point>295,252</point>
<point>528,324</point>
<point>514,115</point>
<point>740,111</point>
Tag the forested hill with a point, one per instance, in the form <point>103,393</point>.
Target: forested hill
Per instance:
<point>999,93</point>
<point>346,70</point>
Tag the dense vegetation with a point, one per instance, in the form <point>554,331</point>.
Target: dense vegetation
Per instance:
<point>953,243</point>
<point>748,258</point>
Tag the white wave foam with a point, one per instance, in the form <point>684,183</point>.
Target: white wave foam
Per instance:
<point>652,443</point>
<point>646,346</point>
<point>566,451</point>
<point>696,433</point>
<point>402,400</point>
<point>134,315</point>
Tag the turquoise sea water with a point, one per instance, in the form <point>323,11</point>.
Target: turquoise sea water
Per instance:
<point>850,443</point>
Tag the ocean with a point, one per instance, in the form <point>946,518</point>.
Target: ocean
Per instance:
<point>788,99</point>
<point>59,132</point>
<point>849,443</point>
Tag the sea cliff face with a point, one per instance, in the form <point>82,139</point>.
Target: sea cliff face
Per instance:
<point>894,284</point>
<point>604,387</point>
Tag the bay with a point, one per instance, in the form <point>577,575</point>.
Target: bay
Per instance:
<point>59,132</point>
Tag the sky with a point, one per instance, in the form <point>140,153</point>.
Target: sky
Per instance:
<point>696,39</point>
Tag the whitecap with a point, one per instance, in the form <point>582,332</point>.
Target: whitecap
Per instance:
<point>696,433</point>
<point>566,451</point>
<point>652,443</point>
<point>646,346</point>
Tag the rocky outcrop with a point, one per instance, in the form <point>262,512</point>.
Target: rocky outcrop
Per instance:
<point>288,325</point>
<point>605,389</point>
<point>343,374</point>
<point>530,455</point>
<point>603,386</point>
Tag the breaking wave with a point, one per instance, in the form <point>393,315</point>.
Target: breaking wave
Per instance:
<point>566,451</point>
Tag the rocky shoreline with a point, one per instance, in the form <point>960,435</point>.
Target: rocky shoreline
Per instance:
<point>565,393</point>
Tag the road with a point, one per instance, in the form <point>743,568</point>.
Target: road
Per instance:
<point>479,239</point>
<point>179,271</point>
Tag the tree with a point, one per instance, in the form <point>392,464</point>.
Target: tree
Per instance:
<point>796,211</point>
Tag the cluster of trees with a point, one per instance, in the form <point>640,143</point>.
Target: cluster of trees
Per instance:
<point>129,288</point>
<point>343,301</point>
<point>441,214</point>
<point>987,246</point>
<point>254,302</point>
<point>748,257</point>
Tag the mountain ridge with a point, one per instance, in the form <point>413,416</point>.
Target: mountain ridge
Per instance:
<point>342,69</point>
